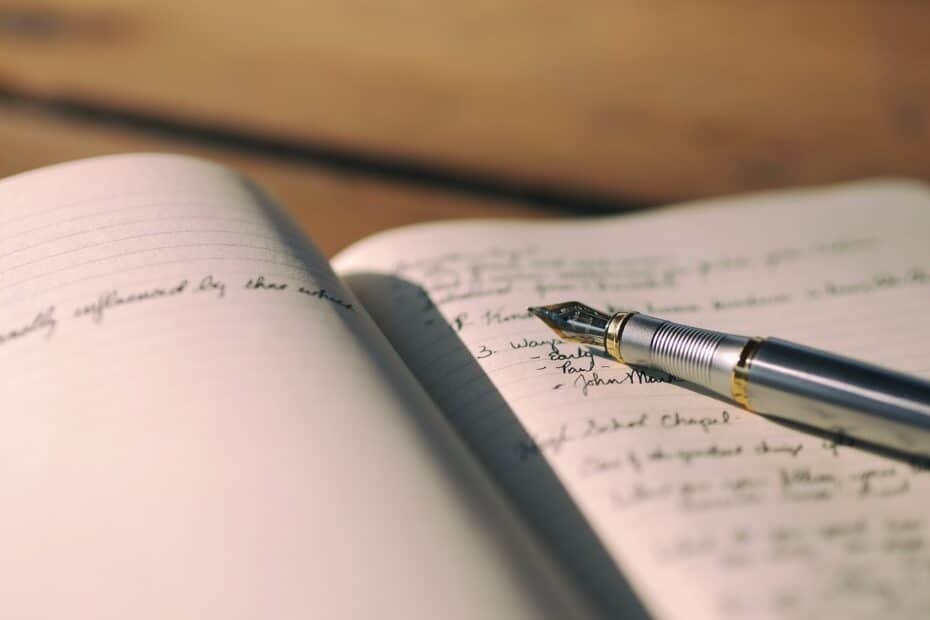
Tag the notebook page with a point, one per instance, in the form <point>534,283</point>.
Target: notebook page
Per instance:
<point>199,421</point>
<point>709,511</point>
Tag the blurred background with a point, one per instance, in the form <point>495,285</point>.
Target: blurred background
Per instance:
<point>360,115</point>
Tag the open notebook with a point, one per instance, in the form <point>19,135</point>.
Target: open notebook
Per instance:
<point>203,418</point>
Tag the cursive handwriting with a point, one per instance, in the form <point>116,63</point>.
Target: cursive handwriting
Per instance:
<point>586,382</point>
<point>46,323</point>
<point>43,323</point>
<point>322,293</point>
<point>114,299</point>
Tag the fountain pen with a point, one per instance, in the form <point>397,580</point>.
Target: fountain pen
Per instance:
<point>837,395</point>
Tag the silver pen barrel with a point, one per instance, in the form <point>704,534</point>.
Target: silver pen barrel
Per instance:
<point>835,394</point>
<point>815,388</point>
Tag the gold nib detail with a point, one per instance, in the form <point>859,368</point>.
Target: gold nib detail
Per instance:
<point>574,321</point>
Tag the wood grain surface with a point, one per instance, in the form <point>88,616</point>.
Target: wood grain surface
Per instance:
<point>642,99</point>
<point>334,208</point>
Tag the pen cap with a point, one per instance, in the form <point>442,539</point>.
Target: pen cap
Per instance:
<point>840,395</point>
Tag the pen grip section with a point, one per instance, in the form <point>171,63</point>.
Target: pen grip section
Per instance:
<point>684,351</point>
<point>840,395</point>
<point>700,356</point>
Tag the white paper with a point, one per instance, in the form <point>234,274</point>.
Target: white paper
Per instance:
<point>199,421</point>
<point>710,511</point>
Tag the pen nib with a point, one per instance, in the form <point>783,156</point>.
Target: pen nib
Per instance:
<point>574,321</point>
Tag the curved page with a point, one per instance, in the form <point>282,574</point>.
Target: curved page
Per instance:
<point>199,421</point>
<point>709,511</point>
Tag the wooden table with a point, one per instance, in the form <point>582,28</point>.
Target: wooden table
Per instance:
<point>412,110</point>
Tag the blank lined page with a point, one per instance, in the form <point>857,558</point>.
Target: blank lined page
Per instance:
<point>709,511</point>
<point>199,421</point>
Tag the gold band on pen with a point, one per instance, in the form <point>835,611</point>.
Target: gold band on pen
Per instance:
<point>612,337</point>
<point>740,380</point>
